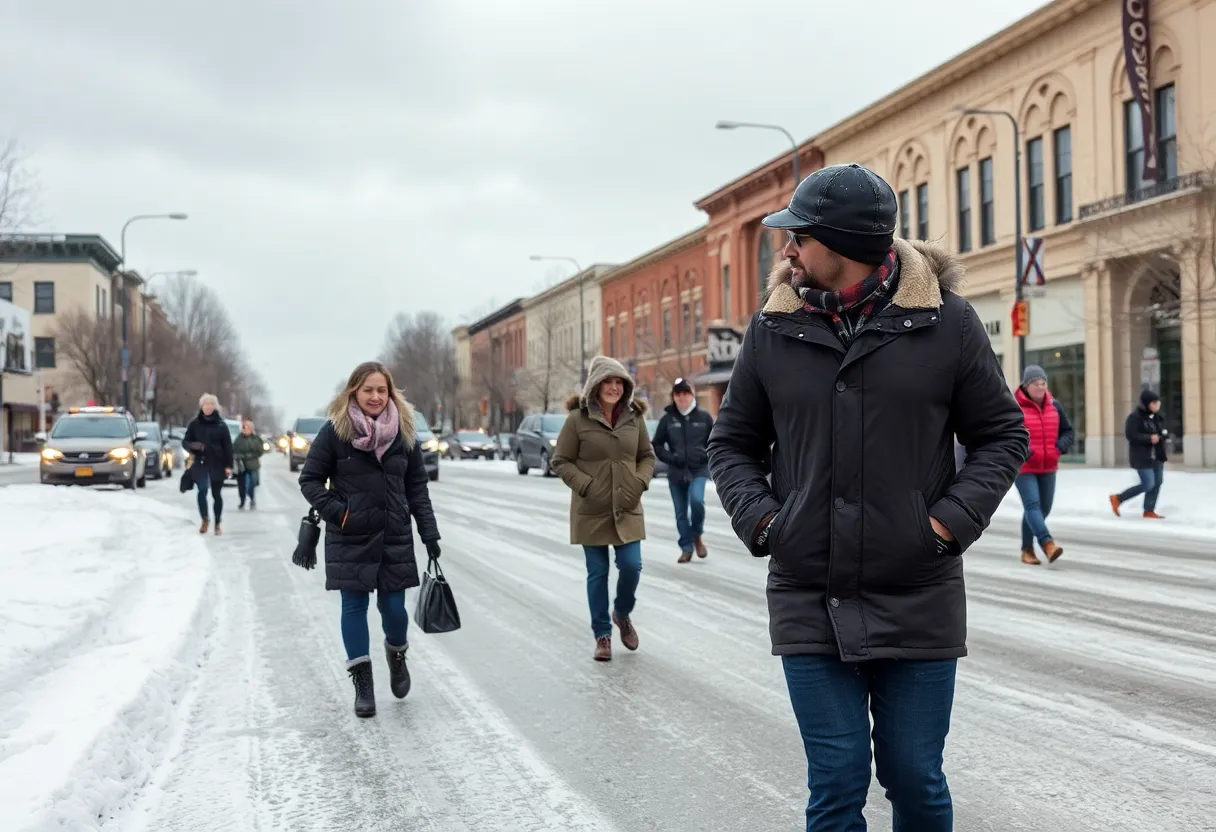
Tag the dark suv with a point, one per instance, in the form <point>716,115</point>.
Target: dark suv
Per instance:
<point>301,436</point>
<point>535,440</point>
<point>430,446</point>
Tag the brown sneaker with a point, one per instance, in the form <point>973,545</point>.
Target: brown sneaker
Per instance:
<point>1152,515</point>
<point>1052,550</point>
<point>603,649</point>
<point>629,636</point>
<point>203,528</point>
<point>702,552</point>
<point>1029,558</point>
<point>685,557</point>
<point>1114,504</point>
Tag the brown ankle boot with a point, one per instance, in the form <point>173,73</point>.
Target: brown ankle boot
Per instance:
<point>702,552</point>
<point>1152,515</point>
<point>1028,558</point>
<point>685,557</point>
<point>1052,550</point>
<point>629,635</point>
<point>603,649</point>
<point>1114,504</point>
<point>203,528</point>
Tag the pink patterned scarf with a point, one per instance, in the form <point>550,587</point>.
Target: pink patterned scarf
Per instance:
<point>375,434</point>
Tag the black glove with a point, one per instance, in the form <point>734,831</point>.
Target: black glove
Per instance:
<point>432,549</point>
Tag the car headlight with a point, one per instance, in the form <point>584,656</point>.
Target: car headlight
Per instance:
<point>121,454</point>
<point>51,455</point>
<point>266,446</point>
<point>430,445</point>
<point>299,443</point>
<point>283,443</point>
<point>553,443</point>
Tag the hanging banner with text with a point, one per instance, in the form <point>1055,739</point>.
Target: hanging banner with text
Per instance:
<point>1137,54</point>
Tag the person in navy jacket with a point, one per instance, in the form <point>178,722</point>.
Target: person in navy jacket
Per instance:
<point>1051,435</point>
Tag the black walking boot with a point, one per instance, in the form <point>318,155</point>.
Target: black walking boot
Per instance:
<point>365,695</point>
<point>398,673</point>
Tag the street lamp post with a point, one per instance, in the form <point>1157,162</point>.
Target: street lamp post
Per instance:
<point>735,125</point>
<point>143,299</point>
<point>1018,292</point>
<point>122,273</point>
<point>582,322</point>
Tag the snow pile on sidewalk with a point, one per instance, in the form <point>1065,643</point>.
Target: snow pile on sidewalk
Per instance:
<point>18,459</point>
<point>1083,496</point>
<point>104,611</point>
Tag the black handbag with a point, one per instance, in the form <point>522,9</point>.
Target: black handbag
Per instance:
<point>186,483</point>
<point>436,611</point>
<point>305,555</point>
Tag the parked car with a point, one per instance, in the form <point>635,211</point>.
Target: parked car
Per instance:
<point>660,467</point>
<point>302,435</point>
<point>430,446</point>
<point>156,449</point>
<point>176,435</point>
<point>470,444</point>
<point>93,446</point>
<point>535,440</point>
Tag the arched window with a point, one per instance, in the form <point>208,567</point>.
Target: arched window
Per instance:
<point>764,262</point>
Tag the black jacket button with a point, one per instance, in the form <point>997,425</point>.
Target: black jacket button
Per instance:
<point>839,503</point>
<point>841,387</point>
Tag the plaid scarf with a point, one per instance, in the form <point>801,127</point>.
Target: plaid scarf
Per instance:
<point>850,309</point>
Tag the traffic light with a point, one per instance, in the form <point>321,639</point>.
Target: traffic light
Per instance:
<point>1021,319</point>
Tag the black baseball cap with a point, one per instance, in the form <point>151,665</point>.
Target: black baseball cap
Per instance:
<point>846,198</point>
<point>681,386</point>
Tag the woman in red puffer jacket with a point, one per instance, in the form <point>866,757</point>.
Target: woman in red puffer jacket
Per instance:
<point>1050,436</point>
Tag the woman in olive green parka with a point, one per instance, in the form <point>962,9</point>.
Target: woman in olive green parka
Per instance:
<point>247,450</point>
<point>604,456</point>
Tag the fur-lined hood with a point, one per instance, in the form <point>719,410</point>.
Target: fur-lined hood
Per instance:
<point>926,270</point>
<point>602,367</point>
<point>339,415</point>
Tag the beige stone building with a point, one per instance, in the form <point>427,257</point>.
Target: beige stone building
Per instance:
<point>52,276</point>
<point>551,371</point>
<point>1130,292</point>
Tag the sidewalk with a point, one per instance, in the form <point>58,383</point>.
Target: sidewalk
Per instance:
<point>18,459</point>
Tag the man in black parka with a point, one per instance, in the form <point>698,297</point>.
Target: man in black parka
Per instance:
<point>681,440</point>
<point>859,372</point>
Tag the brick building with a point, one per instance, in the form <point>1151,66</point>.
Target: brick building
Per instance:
<point>498,347</point>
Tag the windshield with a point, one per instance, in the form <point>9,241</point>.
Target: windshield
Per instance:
<point>92,427</point>
<point>420,424</point>
<point>150,428</point>
<point>552,422</point>
<point>471,437</point>
<point>309,426</point>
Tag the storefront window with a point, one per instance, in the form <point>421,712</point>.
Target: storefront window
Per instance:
<point>1065,368</point>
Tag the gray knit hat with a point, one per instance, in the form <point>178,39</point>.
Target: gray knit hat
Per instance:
<point>1033,372</point>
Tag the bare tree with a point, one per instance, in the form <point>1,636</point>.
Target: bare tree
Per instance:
<point>418,349</point>
<point>92,353</point>
<point>18,203</point>
<point>548,369</point>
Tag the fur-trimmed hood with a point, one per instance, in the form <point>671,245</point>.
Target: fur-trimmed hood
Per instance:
<point>602,368</point>
<point>926,270</point>
<point>339,415</point>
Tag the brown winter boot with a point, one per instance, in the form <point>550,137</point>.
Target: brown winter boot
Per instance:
<point>685,557</point>
<point>603,649</point>
<point>629,636</point>
<point>702,552</point>
<point>1114,504</point>
<point>1029,558</point>
<point>1052,550</point>
<point>1152,515</point>
<point>203,528</point>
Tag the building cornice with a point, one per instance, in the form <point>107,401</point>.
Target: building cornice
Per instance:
<point>668,249</point>
<point>497,316</point>
<point>1022,33</point>
<point>591,275</point>
<point>59,248</point>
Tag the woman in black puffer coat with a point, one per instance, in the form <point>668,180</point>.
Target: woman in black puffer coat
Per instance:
<point>368,454</point>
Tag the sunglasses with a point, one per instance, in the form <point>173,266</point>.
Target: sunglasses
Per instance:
<point>796,238</point>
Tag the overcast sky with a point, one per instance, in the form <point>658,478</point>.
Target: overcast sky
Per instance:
<point>343,161</point>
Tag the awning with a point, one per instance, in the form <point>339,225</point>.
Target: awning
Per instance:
<point>711,377</point>
<point>20,407</point>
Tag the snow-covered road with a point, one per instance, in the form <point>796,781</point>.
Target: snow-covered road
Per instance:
<point>1088,701</point>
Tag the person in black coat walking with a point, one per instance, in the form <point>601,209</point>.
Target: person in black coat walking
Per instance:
<point>369,455</point>
<point>209,442</point>
<point>1146,440</point>
<point>681,440</point>
<point>858,372</point>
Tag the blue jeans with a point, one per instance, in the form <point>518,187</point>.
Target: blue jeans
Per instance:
<point>1150,486</point>
<point>1037,492</point>
<point>629,573</point>
<point>910,702</point>
<point>248,482</point>
<point>203,483</point>
<point>689,499</point>
<point>393,618</point>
